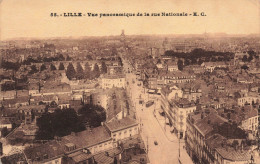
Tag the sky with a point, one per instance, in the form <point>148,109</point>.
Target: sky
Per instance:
<point>31,18</point>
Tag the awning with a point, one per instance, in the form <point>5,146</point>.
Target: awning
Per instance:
<point>161,111</point>
<point>151,91</point>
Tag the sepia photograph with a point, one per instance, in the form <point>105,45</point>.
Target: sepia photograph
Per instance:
<point>129,82</point>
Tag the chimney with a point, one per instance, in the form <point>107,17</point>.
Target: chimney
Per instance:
<point>90,129</point>
<point>123,112</point>
<point>209,121</point>
<point>202,115</point>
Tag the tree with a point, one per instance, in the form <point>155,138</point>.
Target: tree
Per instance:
<point>53,68</point>
<point>213,59</point>
<point>4,131</point>
<point>193,60</point>
<point>87,71</point>
<point>250,58</point>
<point>88,57</point>
<point>245,67</point>
<point>59,123</point>
<point>10,65</point>
<point>96,72</point>
<point>180,65</point>
<point>200,61</point>
<point>186,62</point>
<point>80,72</point>
<point>68,58</point>
<point>71,73</point>
<point>43,67</point>
<point>93,115</point>
<point>61,66</point>
<point>33,69</point>
<point>103,67</point>
<point>61,57</point>
<point>120,61</point>
<point>244,59</point>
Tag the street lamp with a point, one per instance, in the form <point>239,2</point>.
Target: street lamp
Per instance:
<point>252,159</point>
<point>179,151</point>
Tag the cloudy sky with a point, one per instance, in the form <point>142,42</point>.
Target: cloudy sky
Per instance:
<point>31,18</point>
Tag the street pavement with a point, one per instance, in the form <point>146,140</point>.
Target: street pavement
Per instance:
<point>152,126</point>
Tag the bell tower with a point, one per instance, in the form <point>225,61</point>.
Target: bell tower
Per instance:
<point>122,36</point>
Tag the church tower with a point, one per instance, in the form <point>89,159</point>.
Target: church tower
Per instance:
<point>122,36</point>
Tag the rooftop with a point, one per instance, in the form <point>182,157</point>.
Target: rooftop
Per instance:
<point>206,123</point>
<point>124,123</point>
<point>44,152</point>
<point>183,103</point>
<point>88,138</point>
<point>117,102</point>
<point>234,155</point>
<point>107,158</point>
<point>79,156</point>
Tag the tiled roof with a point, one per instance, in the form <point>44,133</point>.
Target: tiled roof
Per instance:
<point>24,99</point>
<point>205,126</point>
<point>14,158</point>
<point>215,140</point>
<point>103,158</point>
<point>5,122</point>
<point>116,125</point>
<point>183,103</point>
<point>88,138</point>
<point>214,63</point>
<point>52,88</point>
<point>168,88</point>
<point>29,107</point>
<point>117,104</point>
<point>52,149</point>
<point>44,98</point>
<point>79,156</point>
<point>250,112</point>
<point>117,76</point>
<point>233,155</point>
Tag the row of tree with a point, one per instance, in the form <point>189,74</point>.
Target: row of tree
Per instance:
<point>198,56</point>
<point>10,65</point>
<point>87,73</point>
<point>251,56</point>
<point>40,59</point>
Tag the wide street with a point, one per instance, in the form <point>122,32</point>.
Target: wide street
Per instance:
<point>167,151</point>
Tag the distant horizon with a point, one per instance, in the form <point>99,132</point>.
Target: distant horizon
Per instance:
<point>34,19</point>
<point>131,35</point>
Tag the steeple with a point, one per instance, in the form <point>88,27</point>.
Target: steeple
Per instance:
<point>122,36</point>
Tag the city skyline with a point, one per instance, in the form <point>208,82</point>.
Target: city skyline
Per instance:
<point>24,19</point>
